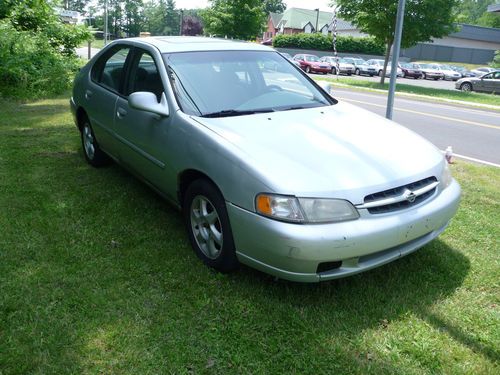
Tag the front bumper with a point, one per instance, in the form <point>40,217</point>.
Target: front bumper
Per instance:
<point>293,251</point>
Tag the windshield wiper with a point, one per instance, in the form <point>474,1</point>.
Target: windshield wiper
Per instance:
<point>236,112</point>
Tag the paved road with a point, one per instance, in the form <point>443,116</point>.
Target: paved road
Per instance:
<point>445,85</point>
<point>474,133</point>
<point>84,51</point>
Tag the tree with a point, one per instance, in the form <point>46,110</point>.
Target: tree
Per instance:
<point>161,18</point>
<point>423,20</point>
<point>240,19</point>
<point>470,11</point>
<point>191,26</point>
<point>274,6</point>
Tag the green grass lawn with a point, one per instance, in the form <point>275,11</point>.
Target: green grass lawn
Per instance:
<point>97,276</point>
<point>472,97</point>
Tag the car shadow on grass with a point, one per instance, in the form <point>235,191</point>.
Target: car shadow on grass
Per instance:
<point>100,276</point>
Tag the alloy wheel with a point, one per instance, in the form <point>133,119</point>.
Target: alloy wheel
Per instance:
<point>206,227</point>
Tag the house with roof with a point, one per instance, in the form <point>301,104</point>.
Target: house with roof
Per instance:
<point>298,20</point>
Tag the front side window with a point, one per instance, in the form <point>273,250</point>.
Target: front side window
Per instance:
<point>226,83</point>
<point>145,76</point>
<point>109,70</point>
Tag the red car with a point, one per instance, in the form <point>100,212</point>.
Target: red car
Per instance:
<point>311,64</point>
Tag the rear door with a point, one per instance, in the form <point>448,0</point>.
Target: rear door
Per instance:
<point>104,89</point>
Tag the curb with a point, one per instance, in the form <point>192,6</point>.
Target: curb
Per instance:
<point>429,98</point>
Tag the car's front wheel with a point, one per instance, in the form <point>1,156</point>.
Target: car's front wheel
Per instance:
<point>334,71</point>
<point>466,86</point>
<point>93,153</point>
<point>357,72</point>
<point>208,226</point>
<point>308,69</point>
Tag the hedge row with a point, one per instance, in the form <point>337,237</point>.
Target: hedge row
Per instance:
<point>322,42</point>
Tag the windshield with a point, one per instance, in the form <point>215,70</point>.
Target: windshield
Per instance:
<point>360,61</point>
<point>312,58</point>
<point>231,83</point>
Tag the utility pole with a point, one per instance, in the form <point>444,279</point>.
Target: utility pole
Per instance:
<point>182,21</point>
<point>317,19</point>
<point>395,57</point>
<point>105,22</point>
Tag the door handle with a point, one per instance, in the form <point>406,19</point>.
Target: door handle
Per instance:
<point>88,94</point>
<point>121,113</point>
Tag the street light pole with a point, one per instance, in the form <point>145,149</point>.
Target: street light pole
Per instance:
<point>395,57</point>
<point>317,19</point>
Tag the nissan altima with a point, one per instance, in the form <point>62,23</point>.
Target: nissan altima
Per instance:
<point>268,169</point>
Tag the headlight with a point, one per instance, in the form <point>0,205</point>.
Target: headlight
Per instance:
<point>305,210</point>
<point>446,176</point>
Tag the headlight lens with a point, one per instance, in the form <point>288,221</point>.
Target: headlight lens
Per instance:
<point>318,210</point>
<point>305,210</point>
<point>446,176</point>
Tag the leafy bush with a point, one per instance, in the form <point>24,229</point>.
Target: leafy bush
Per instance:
<point>30,66</point>
<point>325,43</point>
<point>496,60</point>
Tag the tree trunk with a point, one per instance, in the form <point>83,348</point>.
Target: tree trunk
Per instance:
<point>387,55</point>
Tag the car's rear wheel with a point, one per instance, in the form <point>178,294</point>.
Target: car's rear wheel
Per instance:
<point>93,153</point>
<point>208,226</point>
<point>380,73</point>
<point>424,76</point>
<point>357,72</point>
<point>466,86</point>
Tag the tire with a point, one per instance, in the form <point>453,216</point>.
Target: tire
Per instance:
<point>436,79</point>
<point>380,73</point>
<point>208,226</point>
<point>91,150</point>
<point>334,71</point>
<point>424,76</point>
<point>308,69</point>
<point>466,86</point>
<point>357,72</point>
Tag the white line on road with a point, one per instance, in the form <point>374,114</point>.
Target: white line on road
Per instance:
<point>434,105</point>
<point>426,114</point>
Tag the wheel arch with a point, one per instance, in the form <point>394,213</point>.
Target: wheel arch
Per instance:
<point>81,116</point>
<point>186,177</point>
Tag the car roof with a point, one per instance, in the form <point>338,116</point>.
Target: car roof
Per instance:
<point>169,44</point>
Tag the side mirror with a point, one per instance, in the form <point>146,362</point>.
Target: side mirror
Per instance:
<point>147,101</point>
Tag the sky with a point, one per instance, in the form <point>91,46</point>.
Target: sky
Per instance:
<point>308,4</point>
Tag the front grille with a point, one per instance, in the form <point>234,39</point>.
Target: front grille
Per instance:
<point>397,192</point>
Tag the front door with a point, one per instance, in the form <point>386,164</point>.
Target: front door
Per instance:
<point>143,136</point>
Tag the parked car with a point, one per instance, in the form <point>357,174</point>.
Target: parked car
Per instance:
<point>478,72</point>
<point>290,58</point>
<point>489,82</point>
<point>361,67</point>
<point>430,71</point>
<point>267,168</point>
<point>312,64</point>
<point>344,66</point>
<point>464,72</point>
<point>411,70</point>
<point>448,73</point>
<point>379,67</point>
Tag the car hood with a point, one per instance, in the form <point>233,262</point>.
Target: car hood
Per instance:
<point>338,151</point>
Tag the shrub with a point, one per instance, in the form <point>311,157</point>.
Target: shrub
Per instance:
<point>30,66</point>
<point>366,45</point>
<point>496,60</point>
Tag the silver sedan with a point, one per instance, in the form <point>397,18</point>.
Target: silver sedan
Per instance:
<point>268,169</point>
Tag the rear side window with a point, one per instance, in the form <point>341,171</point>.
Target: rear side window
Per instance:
<point>109,70</point>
